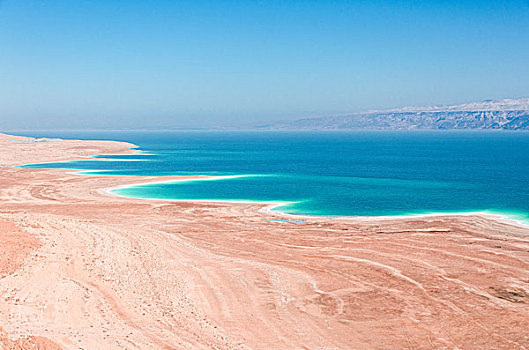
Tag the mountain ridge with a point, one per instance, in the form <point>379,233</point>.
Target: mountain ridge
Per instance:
<point>504,114</point>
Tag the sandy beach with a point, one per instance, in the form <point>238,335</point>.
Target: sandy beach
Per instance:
<point>81,268</point>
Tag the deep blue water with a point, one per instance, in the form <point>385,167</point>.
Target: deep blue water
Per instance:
<point>330,173</point>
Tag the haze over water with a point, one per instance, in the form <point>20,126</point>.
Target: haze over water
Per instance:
<point>324,173</point>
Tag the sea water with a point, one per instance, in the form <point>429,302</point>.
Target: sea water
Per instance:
<point>327,173</point>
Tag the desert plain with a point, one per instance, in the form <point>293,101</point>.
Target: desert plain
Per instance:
<point>81,268</point>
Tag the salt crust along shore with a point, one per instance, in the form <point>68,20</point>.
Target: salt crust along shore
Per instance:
<point>83,269</point>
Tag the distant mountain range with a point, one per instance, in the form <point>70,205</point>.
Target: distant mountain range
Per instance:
<point>508,114</point>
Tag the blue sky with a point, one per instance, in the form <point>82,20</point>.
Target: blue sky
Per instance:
<point>114,64</point>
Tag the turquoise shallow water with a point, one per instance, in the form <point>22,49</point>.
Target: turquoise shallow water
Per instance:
<point>330,173</point>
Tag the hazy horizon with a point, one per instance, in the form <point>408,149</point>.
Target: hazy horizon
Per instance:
<point>237,64</point>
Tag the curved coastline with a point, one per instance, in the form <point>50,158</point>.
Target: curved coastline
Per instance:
<point>270,207</point>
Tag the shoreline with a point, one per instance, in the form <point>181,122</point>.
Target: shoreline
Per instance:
<point>106,271</point>
<point>268,206</point>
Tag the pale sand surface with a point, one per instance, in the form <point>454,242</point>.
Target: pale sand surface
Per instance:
<point>83,269</point>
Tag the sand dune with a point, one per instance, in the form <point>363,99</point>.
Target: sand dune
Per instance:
<point>82,269</point>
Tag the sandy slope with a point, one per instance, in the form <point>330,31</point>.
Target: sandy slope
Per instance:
<point>83,269</point>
